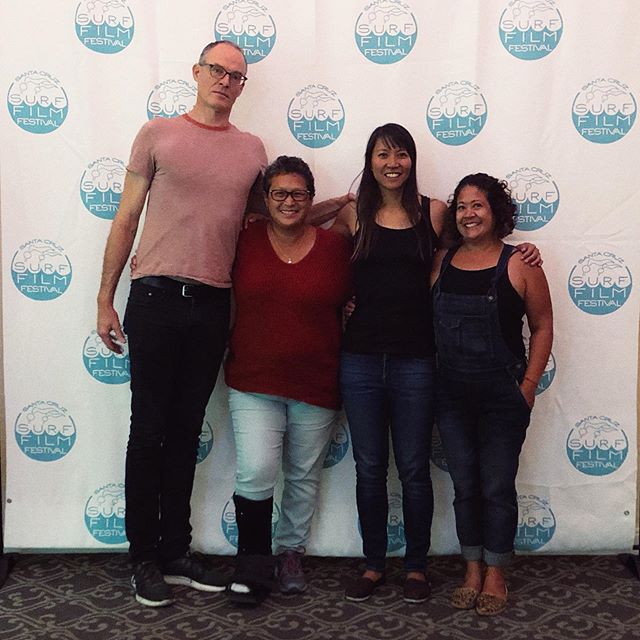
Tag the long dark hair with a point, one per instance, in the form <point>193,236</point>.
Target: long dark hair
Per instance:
<point>369,195</point>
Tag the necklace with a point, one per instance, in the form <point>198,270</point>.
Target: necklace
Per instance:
<point>289,254</point>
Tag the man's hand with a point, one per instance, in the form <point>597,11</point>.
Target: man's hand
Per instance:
<point>109,328</point>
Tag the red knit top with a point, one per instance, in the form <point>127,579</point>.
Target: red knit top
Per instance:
<point>287,332</point>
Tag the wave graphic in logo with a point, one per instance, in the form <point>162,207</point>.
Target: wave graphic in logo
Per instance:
<point>386,31</point>
<point>604,111</point>
<point>37,102</point>
<point>316,116</point>
<point>249,25</point>
<point>530,29</point>
<point>456,113</point>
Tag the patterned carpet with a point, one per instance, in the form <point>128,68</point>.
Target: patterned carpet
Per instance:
<point>88,597</point>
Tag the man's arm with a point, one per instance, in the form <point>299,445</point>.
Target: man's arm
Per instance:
<point>119,243</point>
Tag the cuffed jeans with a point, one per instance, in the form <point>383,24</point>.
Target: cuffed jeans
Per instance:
<point>176,346</point>
<point>482,420</point>
<point>378,391</point>
<point>272,432</point>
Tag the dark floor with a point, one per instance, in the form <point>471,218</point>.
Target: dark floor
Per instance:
<point>88,597</point>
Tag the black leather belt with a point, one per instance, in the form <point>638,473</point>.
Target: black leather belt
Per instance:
<point>183,289</point>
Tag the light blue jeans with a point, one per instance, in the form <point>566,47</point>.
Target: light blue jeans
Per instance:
<point>270,432</point>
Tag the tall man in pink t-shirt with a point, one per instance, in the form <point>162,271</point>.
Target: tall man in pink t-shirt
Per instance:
<point>198,171</point>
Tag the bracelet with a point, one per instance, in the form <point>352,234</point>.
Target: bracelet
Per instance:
<point>533,382</point>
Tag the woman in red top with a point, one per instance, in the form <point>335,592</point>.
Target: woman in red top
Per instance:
<point>290,281</point>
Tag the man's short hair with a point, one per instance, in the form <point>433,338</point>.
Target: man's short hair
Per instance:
<point>211,45</point>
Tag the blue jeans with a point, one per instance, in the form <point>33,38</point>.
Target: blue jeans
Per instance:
<point>273,432</point>
<point>381,391</point>
<point>483,421</point>
<point>176,346</point>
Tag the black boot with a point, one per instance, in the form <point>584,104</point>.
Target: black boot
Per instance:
<point>253,577</point>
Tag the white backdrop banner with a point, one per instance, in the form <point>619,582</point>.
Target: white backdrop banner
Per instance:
<point>541,93</point>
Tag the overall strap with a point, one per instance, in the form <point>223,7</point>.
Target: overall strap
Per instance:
<point>503,261</point>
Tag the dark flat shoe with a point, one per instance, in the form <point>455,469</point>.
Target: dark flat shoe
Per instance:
<point>416,591</point>
<point>362,588</point>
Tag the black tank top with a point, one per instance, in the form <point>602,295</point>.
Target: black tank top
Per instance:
<point>393,308</point>
<point>510,304</point>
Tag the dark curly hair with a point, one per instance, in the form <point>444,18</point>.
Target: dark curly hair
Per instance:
<point>499,196</point>
<point>288,164</point>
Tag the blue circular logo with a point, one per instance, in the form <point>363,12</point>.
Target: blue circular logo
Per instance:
<point>456,113</point>
<point>386,31</point>
<point>230,528</point>
<point>600,283</point>
<point>536,195</point>
<point>170,98</point>
<point>37,102</point>
<point>597,446</point>
<point>205,442</point>
<point>249,25</point>
<point>41,270</point>
<point>339,444</point>
<point>395,524</point>
<point>45,431</point>
<point>316,116</point>
<point>104,514</point>
<point>437,452</point>
<point>530,29</point>
<point>604,110</point>
<point>103,364</point>
<point>536,523</point>
<point>101,187</point>
<point>104,26</point>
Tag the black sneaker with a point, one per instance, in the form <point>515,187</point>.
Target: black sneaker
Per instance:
<point>192,570</point>
<point>149,585</point>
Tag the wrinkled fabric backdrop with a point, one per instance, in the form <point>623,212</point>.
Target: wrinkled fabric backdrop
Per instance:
<point>541,93</point>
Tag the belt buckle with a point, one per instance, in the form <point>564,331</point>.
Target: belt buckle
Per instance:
<point>185,291</point>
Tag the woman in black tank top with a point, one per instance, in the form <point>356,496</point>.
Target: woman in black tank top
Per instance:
<point>387,366</point>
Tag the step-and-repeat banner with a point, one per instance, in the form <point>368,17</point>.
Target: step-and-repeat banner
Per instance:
<point>541,92</point>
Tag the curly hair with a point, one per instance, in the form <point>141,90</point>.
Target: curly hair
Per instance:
<point>283,165</point>
<point>499,197</point>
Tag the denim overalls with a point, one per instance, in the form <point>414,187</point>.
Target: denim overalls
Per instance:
<point>481,414</point>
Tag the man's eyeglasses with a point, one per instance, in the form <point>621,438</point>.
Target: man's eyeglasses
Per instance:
<point>280,195</point>
<point>217,73</point>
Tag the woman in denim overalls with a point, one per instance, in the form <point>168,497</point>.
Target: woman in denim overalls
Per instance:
<point>486,387</point>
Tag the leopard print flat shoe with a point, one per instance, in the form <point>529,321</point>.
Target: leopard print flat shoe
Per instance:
<point>464,597</point>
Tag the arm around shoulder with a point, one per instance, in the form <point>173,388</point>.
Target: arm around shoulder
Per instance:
<point>329,209</point>
<point>346,221</point>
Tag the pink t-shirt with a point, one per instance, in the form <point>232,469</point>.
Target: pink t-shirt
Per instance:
<point>200,177</point>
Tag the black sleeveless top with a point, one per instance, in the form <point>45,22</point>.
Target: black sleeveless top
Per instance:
<point>393,309</point>
<point>510,304</point>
